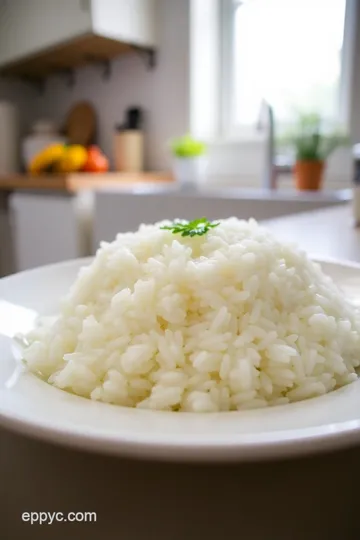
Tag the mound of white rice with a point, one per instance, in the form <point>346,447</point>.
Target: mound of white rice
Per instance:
<point>229,320</point>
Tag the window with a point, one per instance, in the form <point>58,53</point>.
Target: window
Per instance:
<point>288,52</point>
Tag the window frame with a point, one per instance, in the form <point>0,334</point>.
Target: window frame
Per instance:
<point>230,130</point>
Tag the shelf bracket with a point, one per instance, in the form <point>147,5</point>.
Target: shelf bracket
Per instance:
<point>36,83</point>
<point>106,67</point>
<point>104,63</point>
<point>69,76</point>
<point>148,55</point>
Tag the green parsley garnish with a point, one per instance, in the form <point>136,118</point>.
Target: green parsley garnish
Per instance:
<point>197,227</point>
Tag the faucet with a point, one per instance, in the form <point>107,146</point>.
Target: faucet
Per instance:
<point>266,120</point>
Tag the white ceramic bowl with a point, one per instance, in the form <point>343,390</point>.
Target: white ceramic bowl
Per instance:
<point>30,406</point>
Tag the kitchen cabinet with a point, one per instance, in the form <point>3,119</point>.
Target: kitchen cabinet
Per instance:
<point>49,228</point>
<point>46,219</point>
<point>38,37</point>
<point>6,243</point>
<point>30,26</point>
<point>130,21</point>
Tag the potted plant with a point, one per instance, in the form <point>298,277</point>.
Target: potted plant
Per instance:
<point>190,160</point>
<point>312,145</point>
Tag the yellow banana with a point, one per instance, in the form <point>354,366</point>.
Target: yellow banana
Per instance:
<point>46,158</point>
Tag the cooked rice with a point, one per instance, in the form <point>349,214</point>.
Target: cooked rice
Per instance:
<point>230,320</point>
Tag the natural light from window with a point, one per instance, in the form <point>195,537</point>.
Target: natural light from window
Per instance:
<point>288,52</point>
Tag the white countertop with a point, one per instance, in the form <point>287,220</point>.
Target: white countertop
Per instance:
<point>312,499</point>
<point>216,191</point>
<point>322,233</point>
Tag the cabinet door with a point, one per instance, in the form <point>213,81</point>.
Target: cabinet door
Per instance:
<point>6,245</point>
<point>132,21</point>
<point>46,229</point>
<point>29,26</point>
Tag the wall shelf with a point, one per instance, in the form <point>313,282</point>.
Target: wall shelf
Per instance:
<point>64,58</point>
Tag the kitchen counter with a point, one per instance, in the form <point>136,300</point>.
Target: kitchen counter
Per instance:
<point>154,182</point>
<point>286,195</point>
<point>120,211</point>
<point>72,183</point>
<point>57,210</point>
<point>327,233</point>
<point>218,191</point>
<point>300,499</point>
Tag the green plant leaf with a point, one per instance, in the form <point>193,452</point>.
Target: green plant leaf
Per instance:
<point>310,140</point>
<point>186,146</point>
<point>197,227</point>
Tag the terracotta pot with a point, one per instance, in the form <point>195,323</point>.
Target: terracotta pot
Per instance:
<point>309,175</point>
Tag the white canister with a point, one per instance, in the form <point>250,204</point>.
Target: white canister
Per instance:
<point>44,133</point>
<point>9,138</point>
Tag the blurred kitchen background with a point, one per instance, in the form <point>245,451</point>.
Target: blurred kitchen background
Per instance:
<point>118,112</point>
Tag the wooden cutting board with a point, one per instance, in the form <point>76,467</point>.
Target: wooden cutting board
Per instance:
<point>80,124</point>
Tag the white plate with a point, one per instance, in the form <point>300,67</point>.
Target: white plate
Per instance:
<point>32,407</point>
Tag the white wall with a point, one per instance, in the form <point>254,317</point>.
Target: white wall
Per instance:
<point>353,93</point>
<point>23,96</point>
<point>163,92</point>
